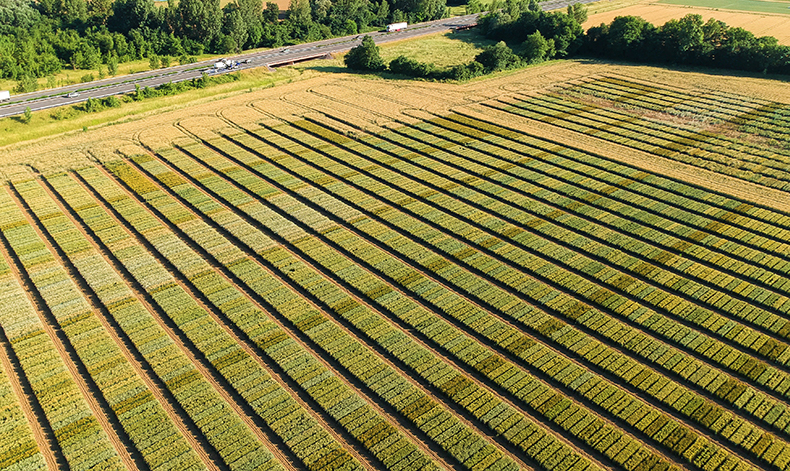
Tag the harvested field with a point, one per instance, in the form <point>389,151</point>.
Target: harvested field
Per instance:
<point>571,267</point>
<point>759,23</point>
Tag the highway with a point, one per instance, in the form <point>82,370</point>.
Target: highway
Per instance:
<point>55,97</point>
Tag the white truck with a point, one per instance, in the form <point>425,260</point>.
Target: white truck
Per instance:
<point>5,95</point>
<point>396,27</point>
<point>225,64</point>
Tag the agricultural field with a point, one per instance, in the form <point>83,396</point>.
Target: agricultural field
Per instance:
<point>571,267</point>
<point>761,17</point>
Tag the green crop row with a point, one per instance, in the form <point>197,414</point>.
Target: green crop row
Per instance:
<point>331,393</point>
<point>683,151</point>
<point>80,437</point>
<point>350,353</point>
<point>141,416</point>
<point>221,427</point>
<point>398,305</point>
<point>778,408</point>
<point>748,231</point>
<point>546,259</point>
<point>566,228</point>
<point>717,105</point>
<point>328,165</point>
<point>18,450</point>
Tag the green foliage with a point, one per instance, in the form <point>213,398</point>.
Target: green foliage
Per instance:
<point>27,83</point>
<point>536,48</point>
<point>28,115</point>
<point>498,57</point>
<point>153,61</point>
<point>578,11</point>
<point>405,66</point>
<point>364,57</point>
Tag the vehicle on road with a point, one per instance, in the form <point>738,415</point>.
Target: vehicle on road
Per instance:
<point>73,95</point>
<point>396,27</point>
<point>225,64</point>
<point>246,61</point>
<point>5,95</point>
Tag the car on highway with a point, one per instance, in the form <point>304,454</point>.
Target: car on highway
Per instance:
<point>73,95</point>
<point>246,61</point>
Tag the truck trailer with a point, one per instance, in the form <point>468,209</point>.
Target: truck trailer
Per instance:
<point>5,95</point>
<point>396,27</point>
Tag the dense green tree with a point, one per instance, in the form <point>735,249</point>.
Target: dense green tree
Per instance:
<point>682,39</point>
<point>537,48</point>
<point>578,11</point>
<point>271,13</point>
<point>17,15</point>
<point>405,66</point>
<point>498,57</point>
<point>27,116</point>
<point>235,27</point>
<point>626,36</point>
<point>131,14</point>
<point>383,13</point>
<point>199,20</point>
<point>364,57</point>
<point>564,30</point>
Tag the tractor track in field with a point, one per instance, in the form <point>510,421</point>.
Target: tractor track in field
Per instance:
<point>629,388</point>
<point>197,358</point>
<point>418,436</point>
<point>241,338</point>
<point>184,424</point>
<point>108,422</point>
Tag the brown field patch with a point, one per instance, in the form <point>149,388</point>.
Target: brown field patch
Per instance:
<point>761,24</point>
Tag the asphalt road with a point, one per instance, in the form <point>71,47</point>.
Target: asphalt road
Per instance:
<point>54,97</point>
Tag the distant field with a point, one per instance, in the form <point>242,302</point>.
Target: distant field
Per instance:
<point>762,6</point>
<point>761,24</point>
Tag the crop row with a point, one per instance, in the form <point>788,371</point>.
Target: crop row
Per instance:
<point>471,165</point>
<point>735,109</point>
<point>18,448</point>
<point>82,441</point>
<point>767,119</point>
<point>335,396</point>
<point>653,206</point>
<point>706,156</point>
<point>403,308</point>
<point>720,105</point>
<point>567,276</point>
<point>330,295</point>
<point>754,239</point>
<point>368,153</point>
<point>224,430</point>
<point>323,165</point>
<point>686,135</point>
<point>142,417</point>
<point>646,263</point>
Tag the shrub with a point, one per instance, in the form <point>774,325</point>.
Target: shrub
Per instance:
<point>405,66</point>
<point>365,56</point>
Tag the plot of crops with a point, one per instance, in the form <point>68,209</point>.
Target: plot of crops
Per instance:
<point>281,291</point>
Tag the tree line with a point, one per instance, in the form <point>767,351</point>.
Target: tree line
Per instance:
<point>528,35</point>
<point>40,38</point>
